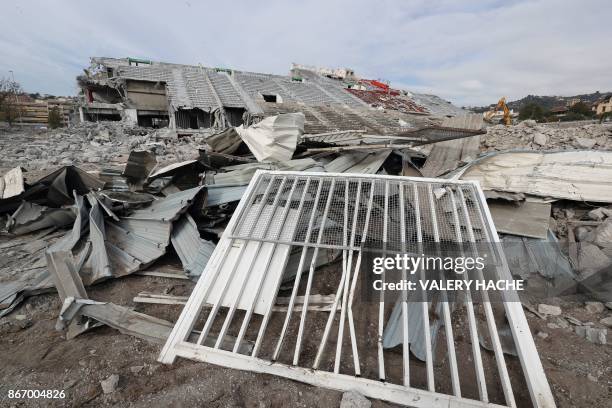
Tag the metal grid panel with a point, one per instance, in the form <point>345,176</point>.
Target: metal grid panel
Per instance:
<point>342,212</point>
<point>355,192</point>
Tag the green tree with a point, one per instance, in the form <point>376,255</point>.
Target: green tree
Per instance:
<point>9,108</point>
<point>532,111</point>
<point>581,108</point>
<point>572,116</point>
<point>55,118</point>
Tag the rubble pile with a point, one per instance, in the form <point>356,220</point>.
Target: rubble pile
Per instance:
<point>111,178</point>
<point>533,136</point>
<point>124,200</point>
<point>93,143</point>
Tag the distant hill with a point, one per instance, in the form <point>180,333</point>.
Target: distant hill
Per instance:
<point>548,102</point>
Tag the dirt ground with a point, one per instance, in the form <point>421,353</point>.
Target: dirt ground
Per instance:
<point>36,356</point>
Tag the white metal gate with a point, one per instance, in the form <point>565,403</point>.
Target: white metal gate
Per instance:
<point>282,228</point>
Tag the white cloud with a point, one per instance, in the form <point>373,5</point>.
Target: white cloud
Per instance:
<point>466,51</point>
<point>471,85</point>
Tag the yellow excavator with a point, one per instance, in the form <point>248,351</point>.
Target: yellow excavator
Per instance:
<point>501,106</point>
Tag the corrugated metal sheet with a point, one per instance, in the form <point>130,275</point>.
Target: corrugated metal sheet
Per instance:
<point>121,262</point>
<point>62,182</point>
<point>139,164</point>
<point>69,241</point>
<point>446,156</point>
<point>412,137</point>
<point>169,169</point>
<point>223,194</point>
<point>192,250</point>
<point>98,264</point>
<point>528,256</point>
<point>153,230</point>
<point>338,137</point>
<point>121,246</point>
<point>240,176</point>
<point>242,173</point>
<point>142,249</point>
<point>168,208</point>
<point>358,162</point>
<point>31,217</point>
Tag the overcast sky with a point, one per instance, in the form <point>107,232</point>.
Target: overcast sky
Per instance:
<point>470,52</point>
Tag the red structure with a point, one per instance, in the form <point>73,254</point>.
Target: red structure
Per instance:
<point>388,100</point>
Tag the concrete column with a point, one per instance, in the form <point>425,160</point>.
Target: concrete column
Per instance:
<point>171,119</point>
<point>131,116</point>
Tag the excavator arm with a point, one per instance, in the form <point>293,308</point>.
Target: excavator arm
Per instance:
<point>501,105</point>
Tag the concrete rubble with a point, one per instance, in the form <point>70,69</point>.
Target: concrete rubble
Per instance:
<point>354,399</point>
<point>144,193</point>
<point>93,144</point>
<point>547,137</point>
<point>549,310</point>
<point>592,334</point>
<point>110,384</point>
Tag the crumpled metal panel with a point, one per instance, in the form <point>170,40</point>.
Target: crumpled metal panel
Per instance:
<point>223,194</point>
<point>62,182</point>
<point>153,230</point>
<point>274,138</point>
<point>172,169</point>
<point>168,208</point>
<point>121,262</point>
<point>192,250</point>
<point>140,248</point>
<point>119,246</point>
<point>97,263</point>
<point>69,241</point>
<point>31,217</point>
<point>139,165</point>
<point>368,162</point>
<point>242,173</point>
